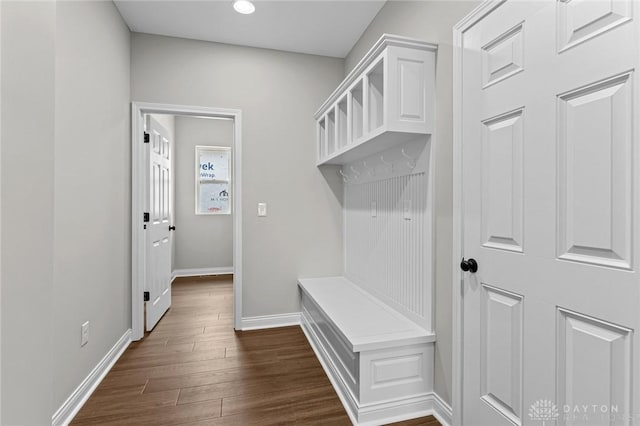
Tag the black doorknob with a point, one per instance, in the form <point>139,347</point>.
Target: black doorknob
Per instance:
<point>172,228</point>
<point>469,265</point>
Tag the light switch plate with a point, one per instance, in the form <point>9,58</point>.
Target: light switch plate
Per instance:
<point>262,209</point>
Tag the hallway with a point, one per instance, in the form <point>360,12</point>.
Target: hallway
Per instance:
<point>194,369</point>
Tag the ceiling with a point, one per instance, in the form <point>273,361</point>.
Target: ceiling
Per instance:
<point>318,27</point>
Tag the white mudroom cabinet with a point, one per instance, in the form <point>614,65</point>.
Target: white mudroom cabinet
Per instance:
<point>372,327</point>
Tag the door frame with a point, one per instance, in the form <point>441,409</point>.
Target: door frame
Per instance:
<point>138,182</point>
<point>457,351</point>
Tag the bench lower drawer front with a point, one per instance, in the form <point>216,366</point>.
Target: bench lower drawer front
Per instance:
<point>395,373</point>
<point>341,356</point>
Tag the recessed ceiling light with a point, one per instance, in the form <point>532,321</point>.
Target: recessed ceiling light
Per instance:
<point>244,6</point>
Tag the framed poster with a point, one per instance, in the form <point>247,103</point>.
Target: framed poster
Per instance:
<point>213,180</point>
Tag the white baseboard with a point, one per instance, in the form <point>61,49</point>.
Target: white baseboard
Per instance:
<point>398,411</point>
<point>77,399</point>
<point>270,321</point>
<point>442,411</point>
<point>196,272</point>
<point>379,413</point>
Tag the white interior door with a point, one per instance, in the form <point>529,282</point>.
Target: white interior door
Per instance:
<point>158,251</point>
<point>550,144</point>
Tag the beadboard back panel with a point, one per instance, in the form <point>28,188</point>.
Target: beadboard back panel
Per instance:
<point>388,247</point>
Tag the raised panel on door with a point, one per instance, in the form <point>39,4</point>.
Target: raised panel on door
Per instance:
<point>581,20</point>
<point>156,193</point>
<point>165,195</point>
<point>595,136</point>
<point>501,353</point>
<point>594,370</point>
<point>502,181</point>
<point>503,56</point>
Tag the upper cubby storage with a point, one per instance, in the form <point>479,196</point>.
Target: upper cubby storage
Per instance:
<point>386,100</point>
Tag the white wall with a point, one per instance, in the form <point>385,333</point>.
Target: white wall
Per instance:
<point>431,21</point>
<point>92,206</point>
<point>28,40</point>
<point>201,241</point>
<point>278,93</point>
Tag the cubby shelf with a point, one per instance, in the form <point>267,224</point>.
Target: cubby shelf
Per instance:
<point>386,100</point>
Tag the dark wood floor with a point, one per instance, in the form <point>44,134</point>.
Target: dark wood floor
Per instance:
<point>194,369</point>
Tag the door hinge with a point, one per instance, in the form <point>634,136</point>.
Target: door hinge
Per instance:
<point>146,296</point>
<point>146,137</point>
<point>145,217</point>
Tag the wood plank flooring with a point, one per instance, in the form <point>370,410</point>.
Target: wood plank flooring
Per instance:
<point>194,369</point>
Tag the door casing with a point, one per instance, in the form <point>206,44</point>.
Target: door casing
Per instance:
<point>138,182</point>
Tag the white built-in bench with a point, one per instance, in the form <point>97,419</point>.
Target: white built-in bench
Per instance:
<point>379,361</point>
<point>378,126</point>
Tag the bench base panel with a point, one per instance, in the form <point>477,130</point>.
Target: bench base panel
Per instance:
<point>391,385</point>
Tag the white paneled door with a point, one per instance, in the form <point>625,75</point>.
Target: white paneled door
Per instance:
<point>550,212</point>
<point>158,251</point>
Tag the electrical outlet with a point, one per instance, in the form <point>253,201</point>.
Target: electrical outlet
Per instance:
<point>85,334</point>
